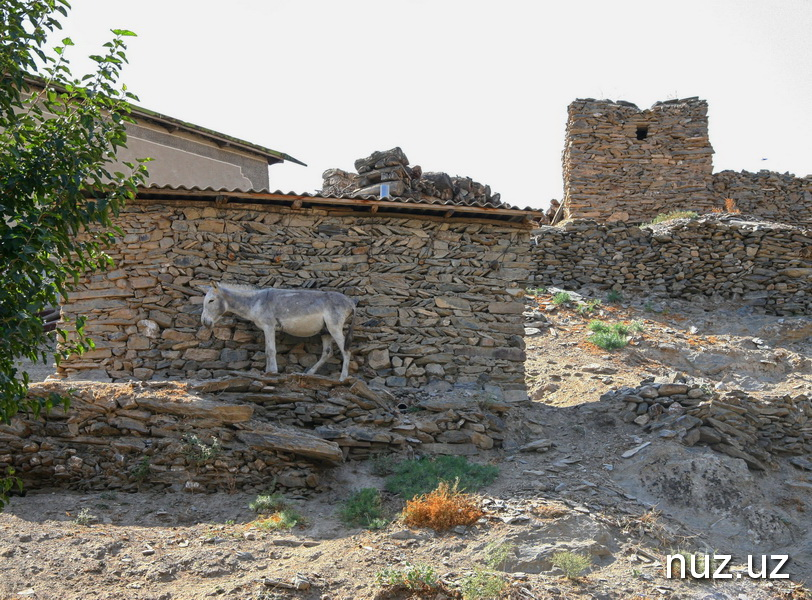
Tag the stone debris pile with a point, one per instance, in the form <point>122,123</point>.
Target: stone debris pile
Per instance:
<point>391,168</point>
<point>737,424</point>
<point>239,432</point>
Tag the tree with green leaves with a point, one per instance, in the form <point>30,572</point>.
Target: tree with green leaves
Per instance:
<point>59,135</point>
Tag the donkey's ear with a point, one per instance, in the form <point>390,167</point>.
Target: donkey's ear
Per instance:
<point>206,288</point>
<point>215,286</point>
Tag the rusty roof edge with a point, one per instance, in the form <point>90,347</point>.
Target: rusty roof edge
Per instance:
<point>527,213</point>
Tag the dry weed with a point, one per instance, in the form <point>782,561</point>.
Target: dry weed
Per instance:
<point>442,509</point>
<point>549,511</point>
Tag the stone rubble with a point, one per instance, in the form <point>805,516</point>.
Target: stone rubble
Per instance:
<point>735,423</point>
<point>237,432</point>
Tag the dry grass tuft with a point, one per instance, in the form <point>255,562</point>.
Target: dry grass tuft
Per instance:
<point>442,509</point>
<point>730,207</point>
<point>549,511</point>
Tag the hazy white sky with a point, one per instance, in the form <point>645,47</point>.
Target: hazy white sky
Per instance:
<point>473,88</point>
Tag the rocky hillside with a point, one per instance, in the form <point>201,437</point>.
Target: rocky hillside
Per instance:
<point>623,456</point>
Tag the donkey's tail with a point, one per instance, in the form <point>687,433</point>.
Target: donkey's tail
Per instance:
<point>348,338</point>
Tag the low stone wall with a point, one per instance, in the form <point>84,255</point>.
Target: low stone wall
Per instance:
<point>736,423</point>
<point>233,433</point>
<point>724,256</point>
<point>767,195</point>
<point>437,298</point>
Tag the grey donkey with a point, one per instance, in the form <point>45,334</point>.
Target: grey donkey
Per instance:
<point>301,313</point>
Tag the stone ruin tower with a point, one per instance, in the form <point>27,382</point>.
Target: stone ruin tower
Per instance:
<point>621,163</point>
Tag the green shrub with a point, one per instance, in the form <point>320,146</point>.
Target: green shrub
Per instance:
<point>613,297</point>
<point>482,585</point>
<point>534,292</point>
<point>588,307</point>
<point>561,298</point>
<point>612,337</point>
<point>497,554</point>
<point>85,517</point>
<point>382,465</point>
<point>268,503</point>
<point>414,477</point>
<point>141,471</point>
<point>418,577</point>
<point>609,340</point>
<point>198,451</point>
<point>363,509</point>
<point>571,563</point>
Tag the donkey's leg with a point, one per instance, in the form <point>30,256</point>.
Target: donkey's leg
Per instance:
<point>270,349</point>
<point>337,332</point>
<point>326,352</point>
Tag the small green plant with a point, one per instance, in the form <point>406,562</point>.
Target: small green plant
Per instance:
<point>482,585</point>
<point>611,337</point>
<point>676,214</point>
<point>268,503</point>
<point>230,521</point>
<point>636,327</point>
<point>561,298</point>
<point>382,465</point>
<point>497,554</point>
<point>284,519</point>
<point>419,577</point>
<point>414,477</point>
<point>364,509</point>
<point>85,517</point>
<point>141,471</point>
<point>199,451</point>
<point>573,565</point>
<point>535,292</point>
<point>614,297</point>
<point>588,307</point>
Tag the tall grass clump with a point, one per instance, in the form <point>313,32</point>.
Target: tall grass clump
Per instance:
<point>611,336</point>
<point>363,509</point>
<point>415,477</point>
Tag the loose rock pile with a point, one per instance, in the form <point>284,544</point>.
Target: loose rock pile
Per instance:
<point>246,432</point>
<point>723,256</point>
<point>736,423</point>
<point>391,167</point>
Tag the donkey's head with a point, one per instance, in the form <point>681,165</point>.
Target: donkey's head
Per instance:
<point>214,306</point>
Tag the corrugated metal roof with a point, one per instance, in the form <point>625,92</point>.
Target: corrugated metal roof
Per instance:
<point>502,211</point>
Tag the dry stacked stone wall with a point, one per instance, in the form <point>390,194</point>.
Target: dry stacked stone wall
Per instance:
<point>720,256</point>
<point>621,163</point>
<point>757,430</point>
<point>438,299</point>
<point>767,195</point>
<point>237,432</point>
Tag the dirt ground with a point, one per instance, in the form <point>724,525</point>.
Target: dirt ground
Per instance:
<point>579,494</point>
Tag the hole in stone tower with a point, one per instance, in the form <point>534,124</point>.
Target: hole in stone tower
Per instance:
<point>642,132</point>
